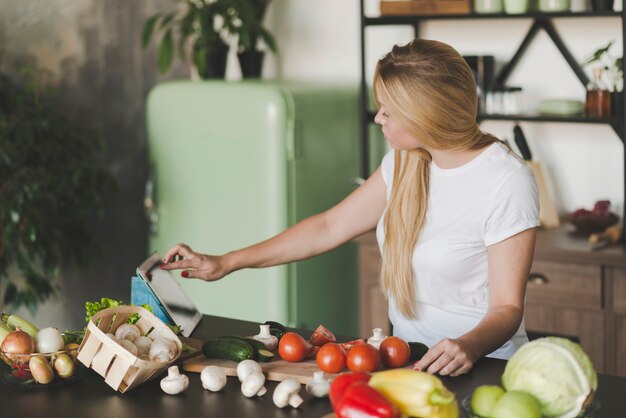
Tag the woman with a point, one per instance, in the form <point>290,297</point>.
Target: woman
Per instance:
<point>456,215</point>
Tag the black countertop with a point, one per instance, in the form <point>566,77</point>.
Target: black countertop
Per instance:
<point>91,397</point>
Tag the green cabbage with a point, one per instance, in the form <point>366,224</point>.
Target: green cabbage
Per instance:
<point>557,372</point>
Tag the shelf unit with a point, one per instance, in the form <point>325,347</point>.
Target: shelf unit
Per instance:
<point>541,21</point>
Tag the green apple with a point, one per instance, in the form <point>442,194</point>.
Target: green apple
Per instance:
<point>516,404</point>
<point>484,398</point>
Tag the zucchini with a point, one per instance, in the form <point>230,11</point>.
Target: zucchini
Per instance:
<point>265,355</point>
<point>228,349</point>
<point>417,350</point>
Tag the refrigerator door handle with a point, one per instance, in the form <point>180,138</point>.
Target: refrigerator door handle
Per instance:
<point>150,206</point>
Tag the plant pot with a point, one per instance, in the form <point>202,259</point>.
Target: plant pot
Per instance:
<point>617,104</point>
<point>602,5</point>
<point>214,62</point>
<point>251,63</point>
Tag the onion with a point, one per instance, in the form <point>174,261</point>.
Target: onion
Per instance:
<point>49,340</point>
<point>18,342</point>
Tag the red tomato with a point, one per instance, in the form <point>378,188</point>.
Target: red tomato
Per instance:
<point>293,347</point>
<point>321,336</point>
<point>363,358</point>
<point>331,358</point>
<point>348,345</point>
<point>394,352</point>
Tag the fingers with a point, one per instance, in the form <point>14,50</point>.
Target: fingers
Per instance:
<point>445,358</point>
<point>205,275</point>
<point>193,263</point>
<point>428,358</point>
<point>462,370</point>
<point>179,249</point>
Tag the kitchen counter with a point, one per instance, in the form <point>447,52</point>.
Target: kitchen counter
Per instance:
<point>91,397</point>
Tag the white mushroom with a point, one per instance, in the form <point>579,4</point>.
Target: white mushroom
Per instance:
<point>286,393</point>
<point>162,350</point>
<point>111,336</point>
<point>253,384</point>
<point>174,383</point>
<point>246,367</point>
<point>143,344</point>
<point>213,378</point>
<point>130,347</point>
<point>127,332</point>
<point>269,341</point>
<point>319,386</point>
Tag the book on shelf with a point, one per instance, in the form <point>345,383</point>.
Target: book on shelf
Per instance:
<point>424,7</point>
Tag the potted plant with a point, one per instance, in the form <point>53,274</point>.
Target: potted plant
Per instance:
<point>250,29</point>
<point>614,74</point>
<point>200,28</point>
<point>52,183</point>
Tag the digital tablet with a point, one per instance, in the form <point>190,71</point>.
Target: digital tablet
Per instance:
<point>178,306</point>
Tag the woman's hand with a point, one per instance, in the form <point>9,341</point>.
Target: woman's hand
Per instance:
<point>448,357</point>
<point>194,265</point>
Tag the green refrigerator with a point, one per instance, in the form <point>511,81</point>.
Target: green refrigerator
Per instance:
<point>234,163</point>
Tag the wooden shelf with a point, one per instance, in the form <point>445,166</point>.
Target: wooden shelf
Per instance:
<point>546,118</point>
<point>532,118</point>
<point>410,20</point>
<point>563,244</point>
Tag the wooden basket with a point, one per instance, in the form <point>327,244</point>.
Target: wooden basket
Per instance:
<point>121,369</point>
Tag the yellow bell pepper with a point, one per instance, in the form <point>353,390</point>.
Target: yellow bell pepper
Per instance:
<point>415,393</point>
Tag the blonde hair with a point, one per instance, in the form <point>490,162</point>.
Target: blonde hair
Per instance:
<point>431,92</point>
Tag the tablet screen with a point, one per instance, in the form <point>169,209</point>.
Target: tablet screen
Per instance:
<point>170,293</point>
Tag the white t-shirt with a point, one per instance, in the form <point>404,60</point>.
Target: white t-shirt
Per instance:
<point>487,200</point>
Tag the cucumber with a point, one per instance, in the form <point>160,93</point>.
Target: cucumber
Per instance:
<point>228,349</point>
<point>265,355</point>
<point>417,350</point>
<point>261,353</point>
<point>276,325</point>
<point>277,333</point>
<point>256,344</point>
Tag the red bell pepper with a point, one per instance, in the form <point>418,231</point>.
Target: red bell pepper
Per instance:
<point>352,397</point>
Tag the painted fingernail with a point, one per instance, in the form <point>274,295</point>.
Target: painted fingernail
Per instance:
<point>162,265</point>
<point>184,273</point>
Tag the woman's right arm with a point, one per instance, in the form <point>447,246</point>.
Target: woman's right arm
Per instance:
<point>355,215</point>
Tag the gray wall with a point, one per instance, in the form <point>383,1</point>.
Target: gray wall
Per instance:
<point>93,50</point>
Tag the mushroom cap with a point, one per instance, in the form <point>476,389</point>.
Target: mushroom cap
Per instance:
<point>213,378</point>
<point>252,384</point>
<point>246,367</point>
<point>284,391</point>
<point>127,332</point>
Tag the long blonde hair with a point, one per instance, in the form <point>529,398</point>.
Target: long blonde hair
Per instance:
<point>431,92</point>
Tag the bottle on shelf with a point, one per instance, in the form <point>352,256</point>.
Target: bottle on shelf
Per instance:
<point>598,103</point>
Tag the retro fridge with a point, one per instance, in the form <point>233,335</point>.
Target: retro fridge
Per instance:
<point>234,163</point>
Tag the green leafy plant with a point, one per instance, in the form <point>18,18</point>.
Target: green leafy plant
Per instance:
<point>92,308</point>
<point>250,26</point>
<point>203,23</point>
<point>52,183</point>
<point>613,67</point>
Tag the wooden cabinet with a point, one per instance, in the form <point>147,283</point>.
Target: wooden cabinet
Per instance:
<point>616,354</point>
<point>572,292</point>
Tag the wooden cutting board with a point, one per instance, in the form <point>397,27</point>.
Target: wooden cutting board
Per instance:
<point>277,370</point>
